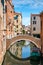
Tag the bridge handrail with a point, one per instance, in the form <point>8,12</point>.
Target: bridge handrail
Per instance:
<point>27,35</point>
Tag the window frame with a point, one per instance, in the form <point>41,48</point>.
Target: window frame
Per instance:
<point>34,28</point>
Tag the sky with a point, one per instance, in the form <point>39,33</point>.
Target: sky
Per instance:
<point>26,8</point>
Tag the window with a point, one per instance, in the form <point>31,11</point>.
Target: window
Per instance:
<point>34,22</point>
<point>2,2</point>
<point>16,17</point>
<point>34,28</point>
<point>17,33</point>
<point>17,26</point>
<point>17,30</point>
<point>17,21</point>
<point>11,11</point>
<point>34,17</point>
<point>5,8</point>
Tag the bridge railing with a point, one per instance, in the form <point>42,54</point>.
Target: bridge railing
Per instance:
<point>27,35</point>
<point>22,35</point>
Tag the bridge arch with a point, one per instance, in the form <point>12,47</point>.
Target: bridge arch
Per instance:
<point>29,38</point>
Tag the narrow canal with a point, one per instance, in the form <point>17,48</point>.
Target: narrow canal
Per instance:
<point>22,53</point>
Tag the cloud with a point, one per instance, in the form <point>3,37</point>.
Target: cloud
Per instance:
<point>22,1</point>
<point>27,7</point>
<point>26,21</point>
<point>32,3</point>
<point>37,4</point>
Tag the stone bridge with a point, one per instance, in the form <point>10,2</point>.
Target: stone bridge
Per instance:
<point>32,39</point>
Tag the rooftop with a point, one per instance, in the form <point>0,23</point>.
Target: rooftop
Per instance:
<point>15,13</point>
<point>35,14</point>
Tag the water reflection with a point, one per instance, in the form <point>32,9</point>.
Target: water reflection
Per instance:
<point>24,49</point>
<point>22,53</point>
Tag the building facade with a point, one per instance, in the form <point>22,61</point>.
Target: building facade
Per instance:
<point>35,25</point>
<point>9,19</point>
<point>41,35</point>
<point>18,23</point>
<point>27,29</point>
<point>1,41</point>
<point>2,33</point>
<point>4,27</point>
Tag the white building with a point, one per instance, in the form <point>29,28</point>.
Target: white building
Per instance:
<point>35,25</point>
<point>27,29</point>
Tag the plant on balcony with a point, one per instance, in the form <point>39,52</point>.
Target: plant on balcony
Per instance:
<point>23,31</point>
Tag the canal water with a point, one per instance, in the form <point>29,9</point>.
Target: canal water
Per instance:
<point>22,53</point>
